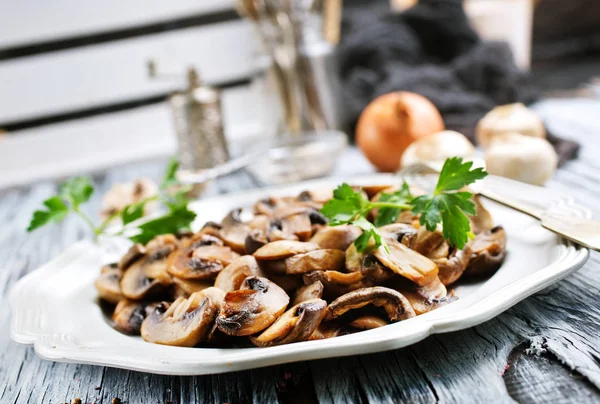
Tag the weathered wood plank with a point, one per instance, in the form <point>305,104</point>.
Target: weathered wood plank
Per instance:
<point>561,323</point>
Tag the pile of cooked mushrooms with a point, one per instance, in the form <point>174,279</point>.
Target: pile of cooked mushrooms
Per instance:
<point>283,275</point>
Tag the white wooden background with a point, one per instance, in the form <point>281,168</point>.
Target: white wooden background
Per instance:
<point>100,75</point>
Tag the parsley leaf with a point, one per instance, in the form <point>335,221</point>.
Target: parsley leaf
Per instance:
<point>171,223</point>
<point>170,177</point>
<point>455,175</point>
<point>345,206</point>
<point>447,206</point>
<point>133,212</point>
<point>55,212</point>
<point>389,215</point>
<point>76,191</point>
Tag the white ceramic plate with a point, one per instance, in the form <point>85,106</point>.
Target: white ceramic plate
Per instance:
<point>55,309</point>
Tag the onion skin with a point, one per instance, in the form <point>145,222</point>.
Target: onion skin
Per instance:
<point>391,122</point>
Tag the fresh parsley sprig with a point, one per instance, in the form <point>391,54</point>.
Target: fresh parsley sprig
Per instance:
<point>77,191</point>
<point>447,205</point>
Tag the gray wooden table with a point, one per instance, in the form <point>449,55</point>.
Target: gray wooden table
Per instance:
<point>544,349</point>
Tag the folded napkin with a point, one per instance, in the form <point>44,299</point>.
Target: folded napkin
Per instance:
<point>431,49</point>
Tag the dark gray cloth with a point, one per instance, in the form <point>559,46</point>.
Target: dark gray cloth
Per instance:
<point>431,49</point>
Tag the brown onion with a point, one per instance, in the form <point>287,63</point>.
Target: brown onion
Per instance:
<point>391,122</point>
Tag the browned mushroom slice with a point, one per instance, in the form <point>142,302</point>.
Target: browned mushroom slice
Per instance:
<point>202,257</point>
<point>234,231</point>
<point>328,330</point>
<point>317,260</point>
<point>482,220</point>
<point>452,266</point>
<point>488,252</point>
<point>266,206</point>
<point>308,292</point>
<point>135,252</point>
<point>337,283</point>
<point>367,265</point>
<point>402,232</point>
<point>231,278</point>
<point>255,239</point>
<point>186,322</point>
<point>289,283</point>
<point>319,195</point>
<point>283,249</point>
<point>129,315</point>
<point>297,224</point>
<point>406,262</point>
<point>427,241</point>
<point>190,286</point>
<point>368,322</point>
<point>108,284</point>
<point>253,308</point>
<point>148,276</point>
<point>336,237</point>
<point>394,303</point>
<point>425,298</point>
<point>295,325</point>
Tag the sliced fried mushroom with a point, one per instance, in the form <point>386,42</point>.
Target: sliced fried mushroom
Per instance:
<point>295,325</point>
<point>308,292</point>
<point>190,286</point>
<point>406,262</point>
<point>425,298</point>
<point>394,303</point>
<point>368,322</point>
<point>427,241</point>
<point>254,240</point>
<point>482,220</point>
<point>186,322</point>
<point>135,252</point>
<point>108,284</point>
<point>289,283</point>
<point>367,265</point>
<point>402,232</point>
<point>283,249</point>
<point>147,276</point>
<point>488,252</point>
<point>328,330</point>
<point>336,237</point>
<point>202,257</point>
<point>297,224</point>
<point>317,260</point>
<point>337,283</point>
<point>234,231</point>
<point>129,315</point>
<point>231,278</point>
<point>252,308</point>
<point>451,267</point>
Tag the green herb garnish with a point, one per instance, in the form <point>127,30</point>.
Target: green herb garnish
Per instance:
<point>447,205</point>
<point>77,191</point>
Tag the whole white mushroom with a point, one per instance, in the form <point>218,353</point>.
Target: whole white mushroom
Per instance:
<point>509,118</point>
<point>436,148</point>
<point>522,158</point>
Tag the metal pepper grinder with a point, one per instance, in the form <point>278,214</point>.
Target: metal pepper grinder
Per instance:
<point>198,125</point>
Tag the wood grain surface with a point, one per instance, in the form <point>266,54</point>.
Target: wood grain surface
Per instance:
<point>544,349</point>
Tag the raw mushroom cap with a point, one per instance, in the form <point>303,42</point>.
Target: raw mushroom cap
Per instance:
<point>254,307</point>
<point>283,249</point>
<point>317,260</point>
<point>231,278</point>
<point>296,324</point>
<point>394,303</point>
<point>185,323</point>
